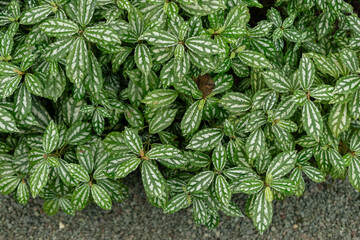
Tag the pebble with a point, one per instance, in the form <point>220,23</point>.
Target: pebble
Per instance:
<point>61,225</point>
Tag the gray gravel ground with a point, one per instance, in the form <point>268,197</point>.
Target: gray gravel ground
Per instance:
<point>326,211</point>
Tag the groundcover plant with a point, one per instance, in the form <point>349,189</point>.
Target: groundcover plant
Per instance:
<point>203,103</point>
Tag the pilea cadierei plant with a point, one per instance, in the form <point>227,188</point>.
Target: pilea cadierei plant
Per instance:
<point>203,104</point>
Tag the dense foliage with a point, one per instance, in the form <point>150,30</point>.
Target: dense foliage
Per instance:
<point>203,103</point>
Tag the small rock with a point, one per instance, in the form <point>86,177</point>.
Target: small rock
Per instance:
<point>295,226</point>
<point>61,225</point>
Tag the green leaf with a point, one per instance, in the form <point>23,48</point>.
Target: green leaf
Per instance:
<point>59,27</point>
<point>85,157</point>
<point>8,184</point>
<point>212,220</point>
<point>78,172</point>
<point>51,137</point>
<point>114,143</point>
<point>274,15</point>
<point>276,81</point>
<point>322,92</point>
<point>201,61</point>
<point>219,157</point>
<point>202,46</point>
<point>124,4</point>
<point>200,181</point>
<point>262,212</point>
<point>354,23</point>
<point>176,203</point>
<point>205,139</point>
<point>355,142</point>
<point>269,196</point>
<point>339,119</point>
<point>94,80</point>
<point>292,35</point>
<point>55,51</point>
<point>192,119</point>
<point>250,186</point>
<point>78,133</point>
<point>22,103</point>
<point>53,161</point>
<point>177,162</point>
<point>163,151</point>
<point>197,159</point>
<point>66,206</point>
<point>350,59</point>
<point>39,178</point>
<point>98,122</point>
<point>162,119</point>
<point>9,85</point>
<point>134,116</point>
<point>324,24</point>
<point>222,190</point>
<point>55,85</point>
<point>255,144</point>
<point>123,169</point>
<point>235,102</point>
<point>260,30</point>
<point>160,97</point>
<point>64,174</point>
<point>336,160</point>
<point>51,206</point>
<point>354,107</point>
<point>324,65</point>
<point>199,212</point>
<point>179,52</point>
<point>347,84</point>
<point>223,83</point>
<point>80,196</point>
<point>306,73</point>
<point>85,11</point>
<point>297,181</point>
<point>312,120</point>
<point>160,38</point>
<point>119,58</point>
<point>101,197</point>
<point>27,62</point>
<point>33,84</point>
<point>313,173</point>
<point>236,14</point>
<point>231,210</point>
<point>102,35</point>
<point>22,193</point>
<point>7,69</point>
<point>283,185</point>
<point>35,15</point>
<point>354,173</point>
<point>132,140</point>
<point>77,61</point>
<point>143,58</point>
<point>287,125</point>
<point>171,9</point>
<point>281,165</point>
<point>154,183</point>
<point>7,121</point>
<point>254,59</point>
